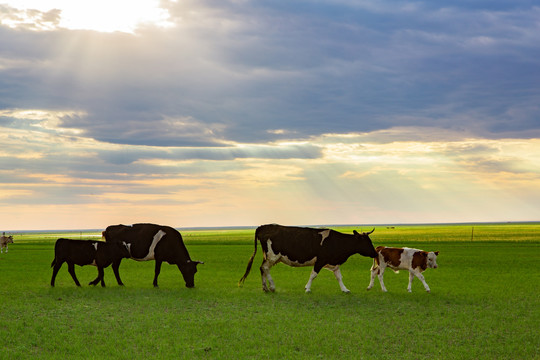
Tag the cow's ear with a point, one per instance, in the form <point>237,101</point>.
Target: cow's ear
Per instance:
<point>356,233</point>
<point>436,253</point>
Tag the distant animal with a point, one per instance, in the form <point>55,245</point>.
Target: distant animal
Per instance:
<point>301,246</point>
<point>153,242</point>
<point>86,252</point>
<point>4,241</point>
<point>414,260</point>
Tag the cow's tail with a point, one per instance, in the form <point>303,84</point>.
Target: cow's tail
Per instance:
<point>55,252</point>
<point>375,265</point>
<point>250,262</point>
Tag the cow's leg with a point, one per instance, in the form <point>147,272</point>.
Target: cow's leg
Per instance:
<point>381,276</point>
<point>101,275</point>
<point>339,278</point>
<point>158,270</point>
<point>96,280</point>
<point>116,266</point>
<point>57,267</point>
<point>71,269</point>
<point>263,276</point>
<point>312,277</point>
<point>411,277</point>
<point>266,277</point>
<point>419,275</point>
<point>374,272</point>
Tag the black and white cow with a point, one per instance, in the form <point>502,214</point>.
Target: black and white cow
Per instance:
<point>298,246</point>
<point>153,242</point>
<point>86,252</point>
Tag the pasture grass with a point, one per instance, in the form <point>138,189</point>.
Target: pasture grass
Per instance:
<point>484,303</point>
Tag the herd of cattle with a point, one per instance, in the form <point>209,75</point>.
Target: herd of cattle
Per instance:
<point>293,246</point>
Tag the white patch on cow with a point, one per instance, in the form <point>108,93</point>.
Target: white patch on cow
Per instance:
<point>406,258</point>
<point>270,259</point>
<point>127,246</point>
<point>155,241</point>
<point>324,235</point>
<point>274,258</point>
<point>95,245</point>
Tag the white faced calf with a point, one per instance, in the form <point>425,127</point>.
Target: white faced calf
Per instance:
<point>416,261</point>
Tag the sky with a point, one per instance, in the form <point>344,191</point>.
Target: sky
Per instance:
<point>241,113</point>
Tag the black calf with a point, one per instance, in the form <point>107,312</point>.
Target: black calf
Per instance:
<point>86,252</point>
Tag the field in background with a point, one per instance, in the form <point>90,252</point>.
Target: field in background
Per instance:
<point>517,232</point>
<point>484,302</point>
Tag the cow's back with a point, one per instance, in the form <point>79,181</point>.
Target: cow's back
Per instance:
<point>169,247</point>
<point>398,258</point>
<point>139,236</point>
<point>76,251</point>
<point>297,243</point>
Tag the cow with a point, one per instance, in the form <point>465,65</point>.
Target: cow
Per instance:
<point>4,241</point>
<point>153,242</point>
<point>86,252</point>
<point>414,260</point>
<point>301,246</point>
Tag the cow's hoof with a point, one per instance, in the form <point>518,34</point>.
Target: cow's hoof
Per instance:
<point>346,291</point>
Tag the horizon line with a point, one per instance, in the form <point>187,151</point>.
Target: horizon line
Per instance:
<point>20,231</point>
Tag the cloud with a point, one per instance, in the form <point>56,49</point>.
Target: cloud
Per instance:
<point>238,71</point>
<point>345,109</point>
<point>29,19</point>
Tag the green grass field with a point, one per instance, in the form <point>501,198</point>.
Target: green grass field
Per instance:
<point>484,303</point>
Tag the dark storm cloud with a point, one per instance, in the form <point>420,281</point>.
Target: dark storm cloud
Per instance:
<point>235,72</point>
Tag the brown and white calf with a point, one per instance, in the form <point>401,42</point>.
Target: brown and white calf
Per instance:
<point>4,241</point>
<point>414,260</point>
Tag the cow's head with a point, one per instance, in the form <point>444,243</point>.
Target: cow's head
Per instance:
<point>432,259</point>
<point>10,239</point>
<point>188,272</point>
<point>365,246</point>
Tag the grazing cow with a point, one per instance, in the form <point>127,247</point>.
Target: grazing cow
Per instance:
<point>416,261</point>
<point>86,252</point>
<point>153,242</point>
<point>4,241</point>
<point>296,246</point>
